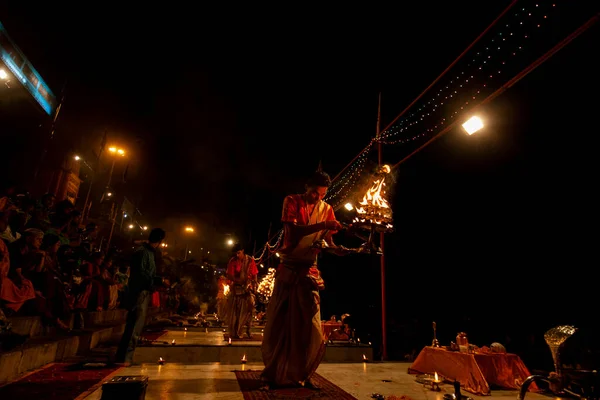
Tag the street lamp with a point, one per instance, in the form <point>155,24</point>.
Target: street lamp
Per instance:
<point>188,229</point>
<point>472,125</point>
<point>115,151</point>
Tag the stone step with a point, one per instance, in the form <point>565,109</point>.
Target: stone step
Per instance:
<point>39,351</point>
<point>193,354</point>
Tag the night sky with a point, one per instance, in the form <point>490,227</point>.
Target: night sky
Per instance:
<point>225,112</point>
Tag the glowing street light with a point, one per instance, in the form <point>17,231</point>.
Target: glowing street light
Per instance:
<point>130,226</point>
<point>77,158</point>
<point>230,242</point>
<point>472,125</point>
<point>116,150</point>
<point>145,228</point>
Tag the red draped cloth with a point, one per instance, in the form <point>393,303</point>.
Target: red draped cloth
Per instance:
<point>475,372</point>
<point>12,295</point>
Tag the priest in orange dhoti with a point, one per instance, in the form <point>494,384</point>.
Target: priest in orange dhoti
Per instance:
<point>293,344</point>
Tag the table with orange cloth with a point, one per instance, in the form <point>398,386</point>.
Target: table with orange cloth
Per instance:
<point>328,327</point>
<point>476,372</point>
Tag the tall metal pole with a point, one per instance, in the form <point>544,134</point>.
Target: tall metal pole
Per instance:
<point>384,354</point>
<point>112,168</point>
<point>113,214</point>
<point>87,198</point>
<point>86,211</point>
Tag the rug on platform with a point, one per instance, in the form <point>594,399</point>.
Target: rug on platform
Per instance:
<point>250,385</point>
<point>58,381</point>
<point>255,337</point>
<point>153,335</point>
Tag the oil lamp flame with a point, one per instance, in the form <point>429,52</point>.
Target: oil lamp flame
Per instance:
<point>229,340</point>
<point>173,341</point>
<point>436,377</point>
<point>244,359</point>
<point>374,207</point>
<point>161,361</point>
<point>225,290</point>
<point>365,359</point>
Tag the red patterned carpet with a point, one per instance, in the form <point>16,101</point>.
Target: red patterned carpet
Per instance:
<point>250,385</point>
<point>57,381</point>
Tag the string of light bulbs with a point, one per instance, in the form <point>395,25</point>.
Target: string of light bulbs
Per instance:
<point>480,74</point>
<point>510,26</point>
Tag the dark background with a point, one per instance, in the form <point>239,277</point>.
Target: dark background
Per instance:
<point>224,113</point>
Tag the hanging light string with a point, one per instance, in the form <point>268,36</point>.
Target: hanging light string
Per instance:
<point>339,189</point>
<point>268,248</point>
<point>480,73</point>
<point>512,81</point>
<point>351,163</point>
<point>507,47</point>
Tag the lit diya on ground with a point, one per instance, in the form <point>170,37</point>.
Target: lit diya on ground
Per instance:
<point>173,342</point>
<point>435,383</point>
<point>161,361</point>
<point>365,358</point>
<point>244,359</point>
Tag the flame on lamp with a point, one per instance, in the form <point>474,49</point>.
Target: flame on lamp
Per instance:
<point>436,377</point>
<point>229,340</point>
<point>161,361</point>
<point>225,290</point>
<point>374,207</point>
<point>365,359</point>
<point>244,359</point>
<point>173,342</point>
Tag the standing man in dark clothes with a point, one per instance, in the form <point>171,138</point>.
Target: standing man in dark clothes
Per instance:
<point>141,282</point>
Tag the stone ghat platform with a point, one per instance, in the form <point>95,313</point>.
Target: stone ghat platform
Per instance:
<point>199,345</point>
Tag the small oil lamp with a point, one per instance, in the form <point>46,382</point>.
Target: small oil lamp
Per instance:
<point>365,359</point>
<point>244,359</point>
<point>161,361</point>
<point>185,329</point>
<point>435,383</point>
<point>229,341</point>
<point>224,330</point>
<point>173,342</point>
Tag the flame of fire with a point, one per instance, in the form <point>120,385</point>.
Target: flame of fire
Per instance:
<point>374,207</point>
<point>244,358</point>
<point>436,377</point>
<point>225,290</point>
<point>373,196</point>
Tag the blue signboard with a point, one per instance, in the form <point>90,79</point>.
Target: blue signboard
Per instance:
<point>24,72</point>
